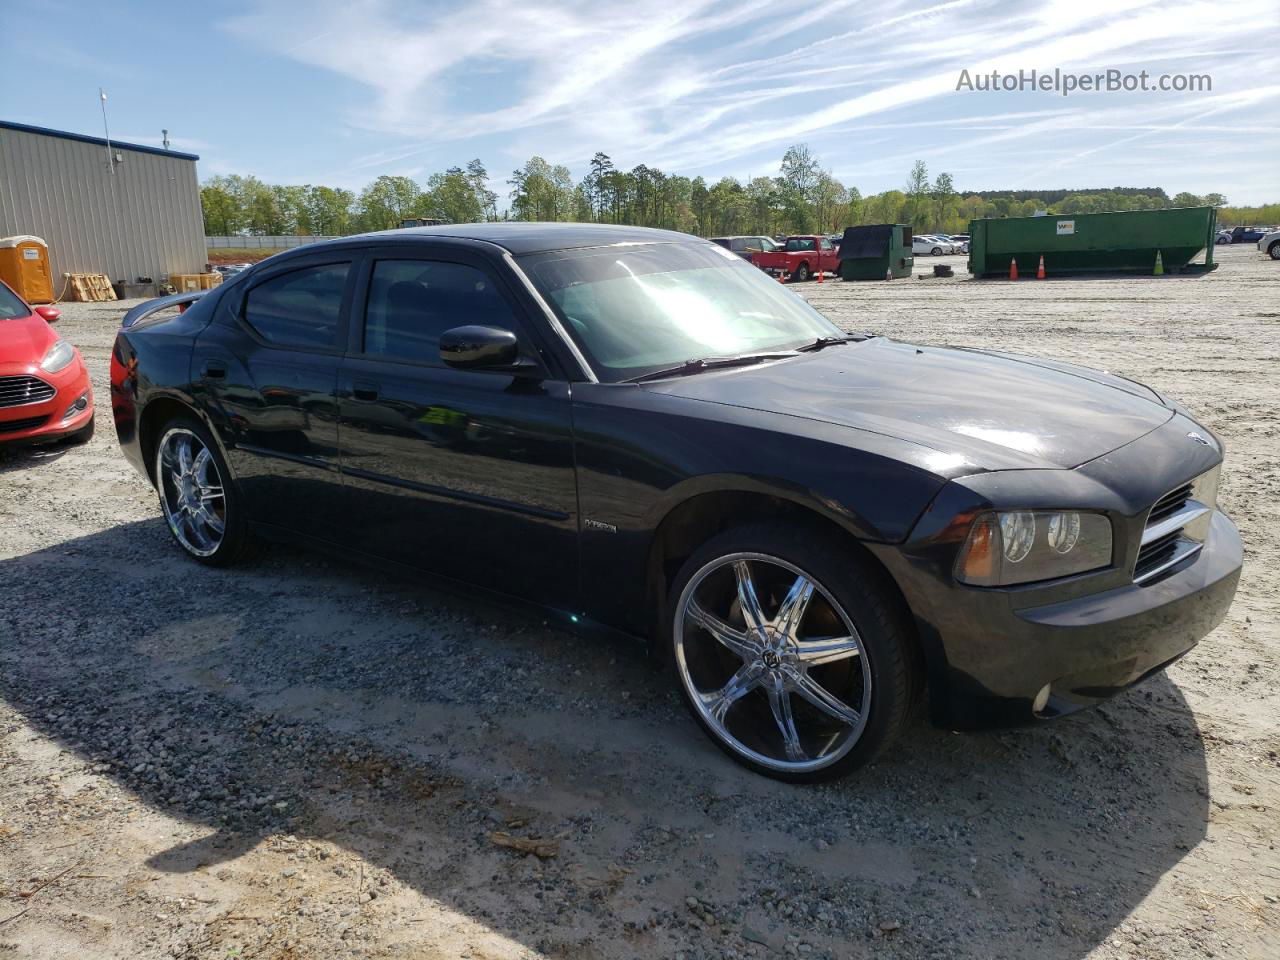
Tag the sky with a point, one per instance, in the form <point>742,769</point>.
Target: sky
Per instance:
<point>338,92</point>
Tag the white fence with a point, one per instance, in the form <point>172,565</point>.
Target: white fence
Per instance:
<point>256,243</point>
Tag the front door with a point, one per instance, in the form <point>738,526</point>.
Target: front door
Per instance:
<point>268,365</point>
<point>467,473</point>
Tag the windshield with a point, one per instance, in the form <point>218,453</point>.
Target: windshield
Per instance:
<point>636,309</point>
<point>10,305</point>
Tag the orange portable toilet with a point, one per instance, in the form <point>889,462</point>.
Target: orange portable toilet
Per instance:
<point>24,265</point>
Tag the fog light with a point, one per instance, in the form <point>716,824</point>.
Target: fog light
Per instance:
<point>81,404</point>
<point>1041,700</point>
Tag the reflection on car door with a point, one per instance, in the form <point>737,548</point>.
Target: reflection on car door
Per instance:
<point>467,473</point>
<point>267,367</point>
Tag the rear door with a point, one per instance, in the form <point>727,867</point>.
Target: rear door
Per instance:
<point>268,368</point>
<point>467,473</point>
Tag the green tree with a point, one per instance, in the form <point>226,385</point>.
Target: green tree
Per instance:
<point>596,184</point>
<point>918,196</point>
<point>329,211</point>
<point>451,197</point>
<point>943,194</point>
<point>387,201</point>
<point>540,191</point>
<point>222,216</point>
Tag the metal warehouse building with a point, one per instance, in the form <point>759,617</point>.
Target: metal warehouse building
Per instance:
<point>124,210</point>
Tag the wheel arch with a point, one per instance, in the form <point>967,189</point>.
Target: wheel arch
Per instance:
<point>158,411</point>
<point>693,520</point>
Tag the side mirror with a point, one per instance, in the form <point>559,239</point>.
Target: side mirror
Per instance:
<point>50,314</point>
<point>475,347</point>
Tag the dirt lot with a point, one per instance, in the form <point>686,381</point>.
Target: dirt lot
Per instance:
<point>302,760</point>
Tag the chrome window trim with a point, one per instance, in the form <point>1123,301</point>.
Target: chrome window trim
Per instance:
<point>552,319</point>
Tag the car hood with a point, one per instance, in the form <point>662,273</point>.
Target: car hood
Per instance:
<point>25,340</point>
<point>976,409</point>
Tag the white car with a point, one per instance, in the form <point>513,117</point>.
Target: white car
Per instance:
<point>927,243</point>
<point>1270,244</point>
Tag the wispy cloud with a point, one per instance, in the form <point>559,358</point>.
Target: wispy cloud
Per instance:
<point>709,85</point>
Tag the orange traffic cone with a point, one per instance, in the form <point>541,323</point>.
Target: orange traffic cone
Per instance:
<point>782,276</point>
<point>1013,268</point>
<point>1040,269</point>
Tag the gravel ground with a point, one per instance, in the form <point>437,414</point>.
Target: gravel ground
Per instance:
<point>297,759</point>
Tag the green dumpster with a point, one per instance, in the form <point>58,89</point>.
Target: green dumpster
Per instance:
<point>869,252</point>
<point>1120,242</point>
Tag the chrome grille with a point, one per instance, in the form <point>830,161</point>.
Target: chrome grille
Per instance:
<point>19,391</point>
<point>1170,504</point>
<point>1176,526</point>
<point>13,426</point>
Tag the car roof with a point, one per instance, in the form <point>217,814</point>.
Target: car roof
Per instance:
<point>522,238</point>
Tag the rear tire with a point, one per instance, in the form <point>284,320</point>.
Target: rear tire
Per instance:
<point>1274,250</point>
<point>825,680</point>
<point>201,504</point>
<point>801,274</point>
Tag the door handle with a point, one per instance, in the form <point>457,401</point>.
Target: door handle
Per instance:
<point>215,370</point>
<point>364,391</point>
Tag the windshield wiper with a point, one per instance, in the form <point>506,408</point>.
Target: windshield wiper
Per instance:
<point>710,363</point>
<point>832,341</point>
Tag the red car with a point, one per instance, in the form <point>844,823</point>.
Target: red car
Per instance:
<point>44,386</point>
<point>800,258</point>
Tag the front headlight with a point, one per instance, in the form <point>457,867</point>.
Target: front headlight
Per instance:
<point>1022,546</point>
<point>58,357</point>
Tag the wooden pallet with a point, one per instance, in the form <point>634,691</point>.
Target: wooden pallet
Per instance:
<point>90,287</point>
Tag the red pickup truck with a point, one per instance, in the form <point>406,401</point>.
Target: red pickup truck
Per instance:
<point>800,258</point>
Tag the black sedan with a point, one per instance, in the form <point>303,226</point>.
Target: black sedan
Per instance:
<point>639,431</point>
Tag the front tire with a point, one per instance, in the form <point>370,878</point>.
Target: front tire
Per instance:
<point>200,503</point>
<point>1274,250</point>
<point>790,653</point>
<point>937,251</point>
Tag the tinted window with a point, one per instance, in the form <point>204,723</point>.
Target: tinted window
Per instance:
<point>300,308</point>
<point>800,243</point>
<point>412,302</point>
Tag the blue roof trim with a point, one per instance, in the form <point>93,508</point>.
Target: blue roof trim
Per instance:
<point>63,135</point>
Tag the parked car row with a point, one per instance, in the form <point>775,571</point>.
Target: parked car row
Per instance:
<point>938,244</point>
<point>1241,235</point>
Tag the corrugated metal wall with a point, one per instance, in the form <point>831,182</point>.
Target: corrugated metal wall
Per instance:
<point>143,220</point>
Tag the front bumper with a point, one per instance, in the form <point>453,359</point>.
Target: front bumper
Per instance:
<point>45,422</point>
<point>996,657</point>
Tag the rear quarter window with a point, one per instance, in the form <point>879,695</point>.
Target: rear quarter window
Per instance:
<point>301,308</point>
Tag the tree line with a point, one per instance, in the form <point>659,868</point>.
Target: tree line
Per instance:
<point>802,198</point>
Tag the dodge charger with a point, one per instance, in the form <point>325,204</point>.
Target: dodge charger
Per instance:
<point>819,532</point>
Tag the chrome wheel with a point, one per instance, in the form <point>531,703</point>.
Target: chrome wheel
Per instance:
<point>191,491</point>
<point>772,663</point>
